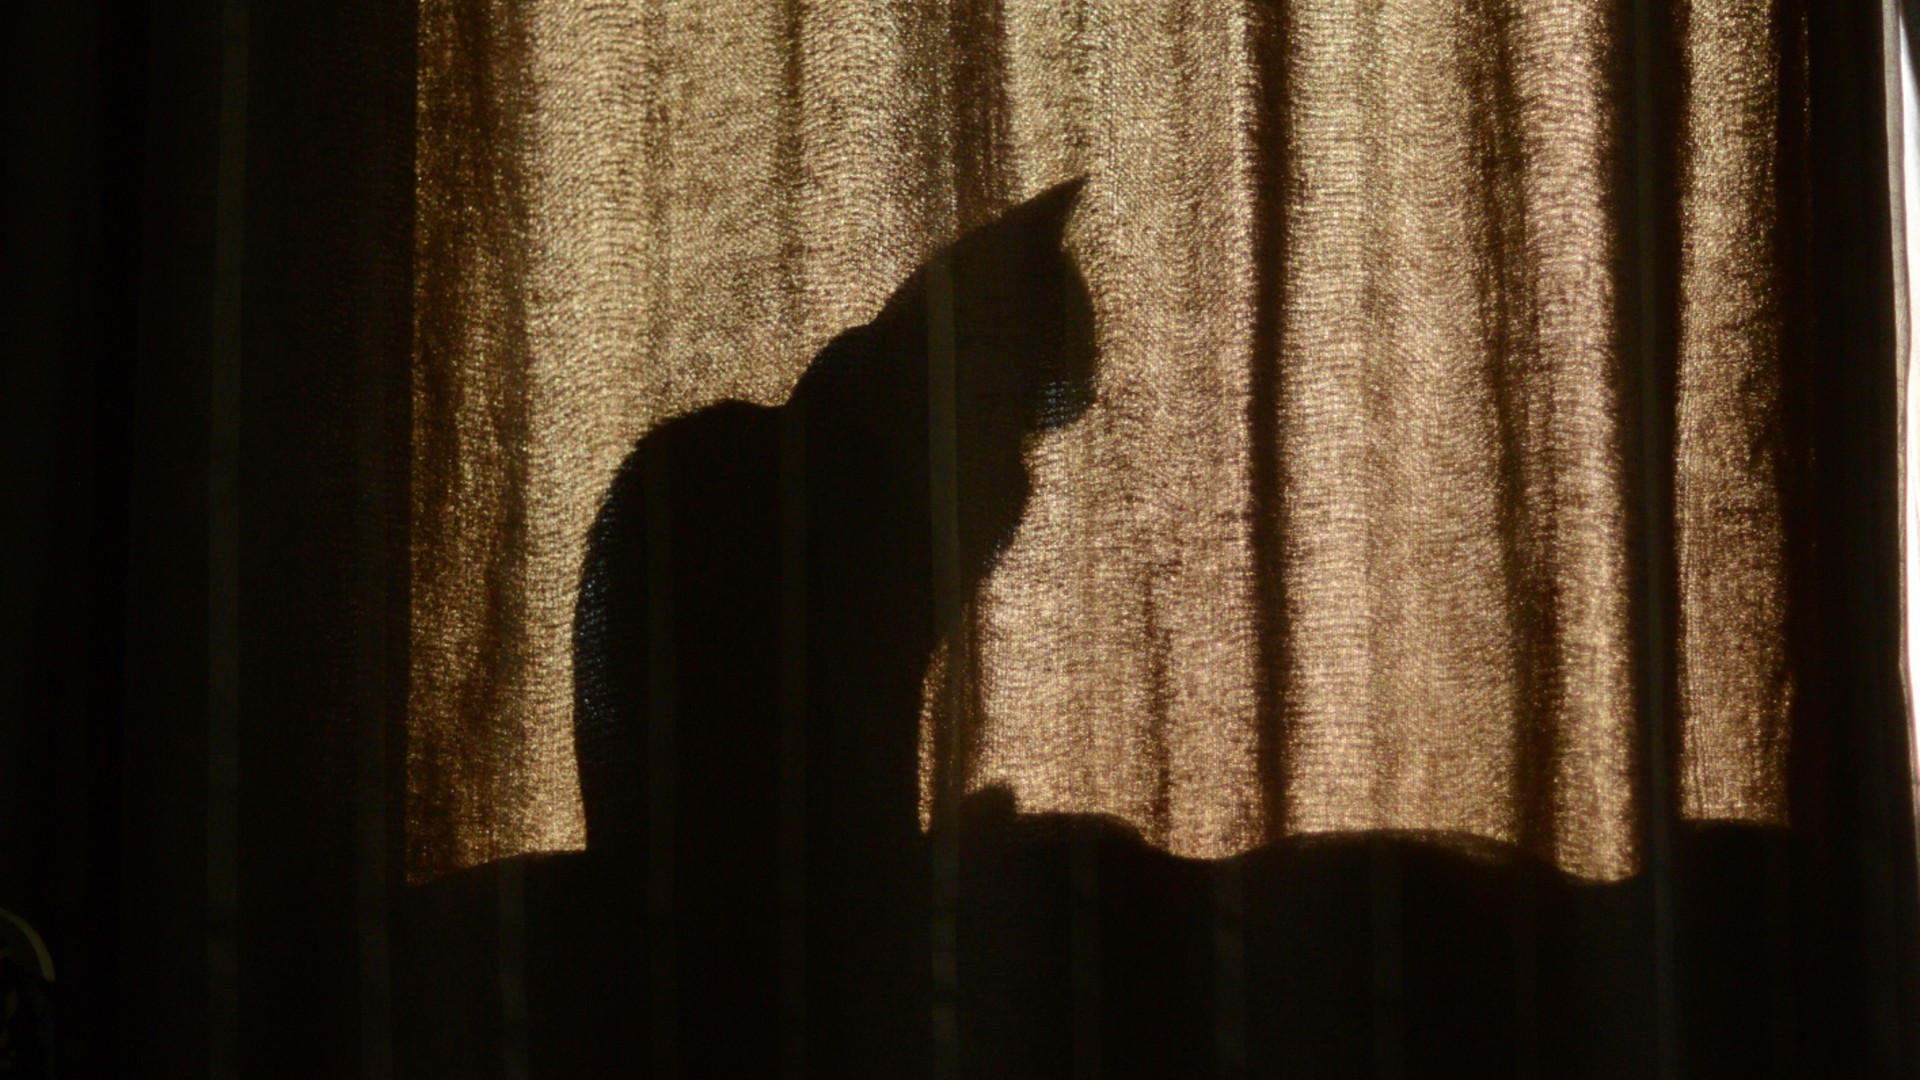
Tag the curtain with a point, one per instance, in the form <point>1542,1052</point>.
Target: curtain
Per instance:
<point>1082,539</point>
<point>1347,540</point>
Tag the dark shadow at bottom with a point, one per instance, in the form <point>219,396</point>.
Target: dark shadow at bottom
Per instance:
<point>1083,952</point>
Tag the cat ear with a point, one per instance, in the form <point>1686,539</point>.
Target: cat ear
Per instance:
<point>1034,228</point>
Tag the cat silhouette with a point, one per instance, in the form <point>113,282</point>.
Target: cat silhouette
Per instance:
<point>756,566</point>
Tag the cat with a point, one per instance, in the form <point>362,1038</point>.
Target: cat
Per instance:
<point>741,538</point>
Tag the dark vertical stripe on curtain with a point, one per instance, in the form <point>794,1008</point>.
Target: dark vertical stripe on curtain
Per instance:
<point>1651,239</point>
<point>74,116</point>
<point>1854,507</point>
<point>662,773</point>
<point>793,745</point>
<point>1084,881</point>
<point>1229,970</point>
<point>159,1011</point>
<point>792,811</point>
<point>511,879</point>
<point>223,552</point>
<point>323,431</point>
<point>949,624</point>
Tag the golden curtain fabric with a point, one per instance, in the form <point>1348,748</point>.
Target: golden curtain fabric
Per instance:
<point>1350,538</point>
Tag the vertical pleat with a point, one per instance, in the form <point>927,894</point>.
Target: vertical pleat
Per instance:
<point>1736,686</point>
<point>469,728</point>
<point>1457,645</point>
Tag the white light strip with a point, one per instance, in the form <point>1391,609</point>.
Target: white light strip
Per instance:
<point>1910,428</point>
